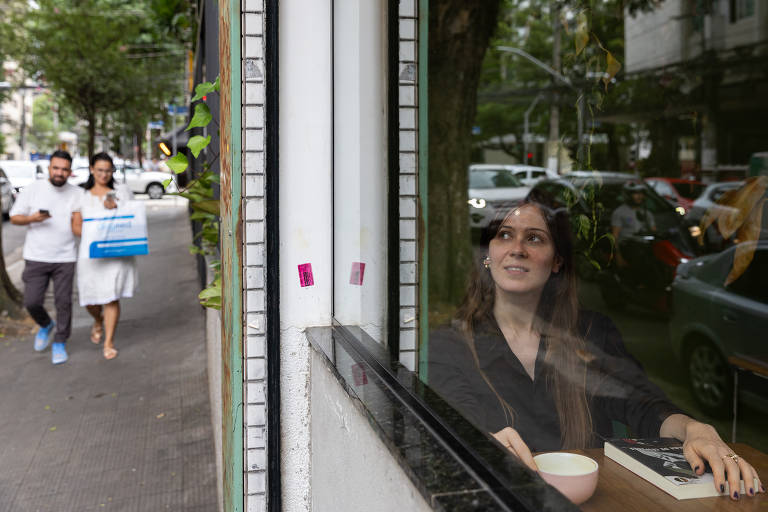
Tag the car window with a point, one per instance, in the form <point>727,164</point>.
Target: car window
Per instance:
<point>493,179</point>
<point>689,190</point>
<point>663,188</point>
<point>718,192</point>
<point>538,174</point>
<point>753,283</point>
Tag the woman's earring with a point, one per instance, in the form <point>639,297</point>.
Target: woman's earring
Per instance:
<point>487,262</point>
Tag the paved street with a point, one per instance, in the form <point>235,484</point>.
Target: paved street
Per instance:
<point>131,434</point>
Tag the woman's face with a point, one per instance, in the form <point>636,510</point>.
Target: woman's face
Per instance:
<point>102,172</point>
<point>523,253</point>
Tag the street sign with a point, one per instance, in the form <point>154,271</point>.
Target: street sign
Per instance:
<point>177,109</point>
<point>155,125</point>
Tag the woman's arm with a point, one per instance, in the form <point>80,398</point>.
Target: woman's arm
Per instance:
<point>77,223</point>
<point>701,444</point>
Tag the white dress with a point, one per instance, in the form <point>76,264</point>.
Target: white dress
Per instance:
<point>103,280</point>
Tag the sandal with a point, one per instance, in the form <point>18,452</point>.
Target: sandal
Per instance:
<point>97,329</point>
<point>110,353</point>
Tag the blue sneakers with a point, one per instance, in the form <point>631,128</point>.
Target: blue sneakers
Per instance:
<point>58,353</point>
<point>43,337</point>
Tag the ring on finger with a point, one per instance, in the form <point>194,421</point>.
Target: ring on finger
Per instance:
<point>732,456</point>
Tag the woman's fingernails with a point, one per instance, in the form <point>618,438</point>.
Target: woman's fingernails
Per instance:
<point>751,491</point>
<point>722,488</point>
<point>735,495</point>
<point>696,469</point>
<point>762,489</point>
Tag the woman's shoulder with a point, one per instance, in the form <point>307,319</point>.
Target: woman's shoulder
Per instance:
<point>446,342</point>
<point>596,327</point>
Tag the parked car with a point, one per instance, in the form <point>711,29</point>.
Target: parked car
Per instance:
<point>22,172</point>
<point>709,197</point>
<point>681,193</point>
<point>530,175</point>
<point>711,321</point>
<point>491,187</point>
<point>137,179</point>
<point>708,202</point>
<point>145,182</point>
<point>7,194</point>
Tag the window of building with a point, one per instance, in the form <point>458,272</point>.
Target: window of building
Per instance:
<point>741,9</point>
<point>671,278</point>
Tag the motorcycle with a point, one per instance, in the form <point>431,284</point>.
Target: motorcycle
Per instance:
<point>645,280</point>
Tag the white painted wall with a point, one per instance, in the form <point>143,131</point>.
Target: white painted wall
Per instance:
<point>305,223</point>
<point>360,163</point>
<point>655,38</point>
<point>352,470</point>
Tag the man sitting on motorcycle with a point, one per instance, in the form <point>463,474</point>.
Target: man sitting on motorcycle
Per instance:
<point>631,218</point>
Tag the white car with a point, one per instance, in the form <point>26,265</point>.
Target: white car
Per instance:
<point>137,179</point>
<point>491,187</point>
<point>7,195</point>
<point>23,172</point>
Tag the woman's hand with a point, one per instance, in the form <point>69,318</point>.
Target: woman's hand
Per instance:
<point>110,203</point>
<point>701,444</point>
<point>515,444</point>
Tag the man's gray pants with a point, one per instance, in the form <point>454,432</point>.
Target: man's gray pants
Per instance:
<point>36,276</point>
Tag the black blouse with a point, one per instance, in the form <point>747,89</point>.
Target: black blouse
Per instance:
<point>617,387</point>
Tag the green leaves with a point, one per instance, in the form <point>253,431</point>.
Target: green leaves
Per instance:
<point>197,143</point>
<point>202,116</point>
<point>204,89</point>
<point>208,206</point>
<point>178,163</point>
<point>211,296</point>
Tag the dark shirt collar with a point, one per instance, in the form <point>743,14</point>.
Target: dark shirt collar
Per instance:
<point>491,347</point>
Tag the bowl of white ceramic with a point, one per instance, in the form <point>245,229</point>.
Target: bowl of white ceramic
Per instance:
<point>574,475</point>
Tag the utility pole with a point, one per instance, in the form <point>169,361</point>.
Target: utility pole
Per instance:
<point>554,107</point>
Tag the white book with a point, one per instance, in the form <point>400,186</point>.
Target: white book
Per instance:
<point>661,462</point>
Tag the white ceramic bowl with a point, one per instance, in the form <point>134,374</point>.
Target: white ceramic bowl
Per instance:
<point>574,475</point>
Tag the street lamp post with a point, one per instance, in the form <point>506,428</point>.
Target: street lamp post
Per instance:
<point>562,79</point>
<point>525,126</point>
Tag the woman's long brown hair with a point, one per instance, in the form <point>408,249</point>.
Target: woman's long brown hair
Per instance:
<point>556,320</point>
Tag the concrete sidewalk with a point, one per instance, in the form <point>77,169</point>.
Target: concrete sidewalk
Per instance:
<point>131,434</point>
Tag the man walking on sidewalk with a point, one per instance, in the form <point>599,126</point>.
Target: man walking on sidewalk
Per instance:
<point>47,207</point>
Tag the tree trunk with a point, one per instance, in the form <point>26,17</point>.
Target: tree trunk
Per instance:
<point>459,33</point>
<point>11,300</point>
<point>91,118</point>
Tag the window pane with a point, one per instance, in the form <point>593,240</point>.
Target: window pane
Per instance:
<point>592,269</point>
<point>360,165</point>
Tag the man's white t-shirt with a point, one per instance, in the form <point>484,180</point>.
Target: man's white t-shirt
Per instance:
<point>52,240</point>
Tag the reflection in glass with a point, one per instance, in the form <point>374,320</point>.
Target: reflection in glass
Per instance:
<point>360,165</point>
<point>665,102</point>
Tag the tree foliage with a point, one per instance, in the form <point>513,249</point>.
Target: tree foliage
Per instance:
<point>110,61</point>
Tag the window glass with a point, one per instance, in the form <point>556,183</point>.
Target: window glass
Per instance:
<point>592,270</point>
<point>493,179</point>
<point>689,190</point>
<point>360,165</point>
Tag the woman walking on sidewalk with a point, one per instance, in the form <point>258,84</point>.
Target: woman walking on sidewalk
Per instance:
<point>102,282</point>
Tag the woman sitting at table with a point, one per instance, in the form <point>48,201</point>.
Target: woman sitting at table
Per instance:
<point>522,362</point>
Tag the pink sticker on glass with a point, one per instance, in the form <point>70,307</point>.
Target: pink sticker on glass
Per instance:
<point>305,275</point>
<point>358,374</point>
<point>356,276</point>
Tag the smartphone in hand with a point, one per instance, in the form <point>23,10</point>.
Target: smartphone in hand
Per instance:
<point>45,212</point>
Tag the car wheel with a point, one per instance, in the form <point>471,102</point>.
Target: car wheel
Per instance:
<point>155,190</point>
<point>710,378</point>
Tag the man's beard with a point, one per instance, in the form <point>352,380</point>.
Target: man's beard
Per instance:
<point>57,181</point>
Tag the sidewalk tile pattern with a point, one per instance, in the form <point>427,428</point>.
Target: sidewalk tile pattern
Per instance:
<point>131,434</point>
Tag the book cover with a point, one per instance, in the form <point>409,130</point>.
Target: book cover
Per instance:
<point>661,462</point>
